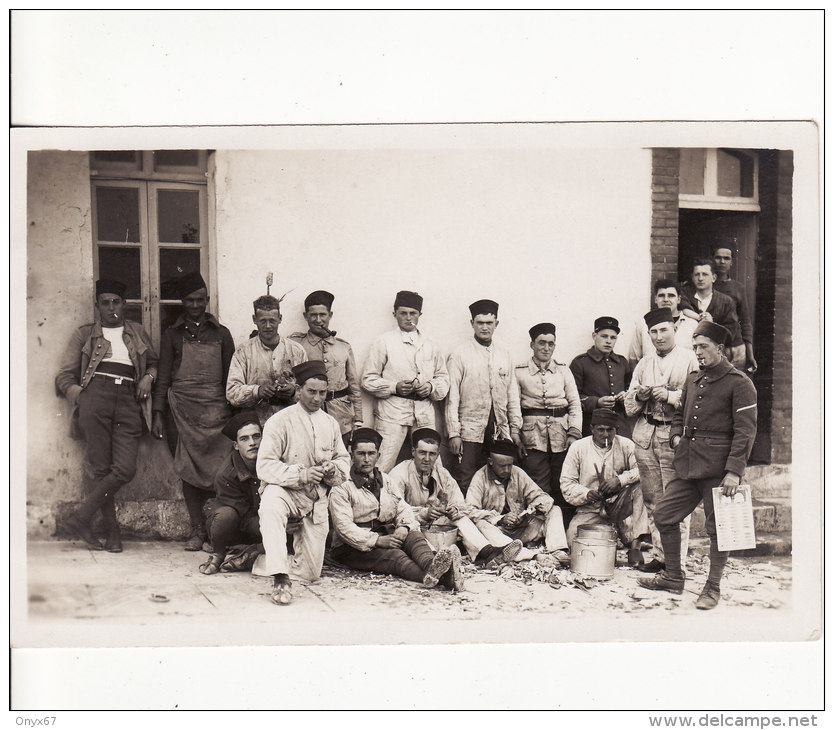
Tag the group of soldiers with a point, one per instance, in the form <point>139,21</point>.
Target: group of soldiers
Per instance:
<point>269,439</point>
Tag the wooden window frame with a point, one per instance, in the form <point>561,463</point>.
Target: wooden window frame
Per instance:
<point>711,200</point>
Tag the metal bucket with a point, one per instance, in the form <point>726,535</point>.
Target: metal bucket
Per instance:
<point>441,536</point>
<point>593,556</point>
<point>597,531</point>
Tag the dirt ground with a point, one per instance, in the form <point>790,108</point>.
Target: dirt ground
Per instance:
<point>157,589</point>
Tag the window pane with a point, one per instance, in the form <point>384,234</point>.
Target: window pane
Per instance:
<point>178,214</point>
<point>117,211</point>
<point>173,263</point>
<point>735,174</point>
<point>176,158</point>
<point>119,158</point>
<point>121,263</point>
<point>168,314</point>
<point>134,312</point>
<point>693,163</point>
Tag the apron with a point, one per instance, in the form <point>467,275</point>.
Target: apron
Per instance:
<point>197,399</point>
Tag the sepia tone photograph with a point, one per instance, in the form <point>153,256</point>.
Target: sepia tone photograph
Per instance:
<point>415,385</point>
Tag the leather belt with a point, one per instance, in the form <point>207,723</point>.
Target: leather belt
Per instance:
<point>117,379</point>
<point>691,433</point>
<point>375,525</point>
<point>657,422</point>
<point>333,394</point>
<point>553,412</point>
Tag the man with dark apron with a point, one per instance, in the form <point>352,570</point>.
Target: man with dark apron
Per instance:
<point>194,362</point>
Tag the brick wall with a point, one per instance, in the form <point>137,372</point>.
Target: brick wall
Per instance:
<point>664,238</point>
<point>774,305</point>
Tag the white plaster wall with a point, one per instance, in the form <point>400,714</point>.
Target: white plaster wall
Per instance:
<point>557,235</point>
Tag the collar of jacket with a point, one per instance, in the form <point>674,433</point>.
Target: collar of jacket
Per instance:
<point>717,371</point>
<point>209,318</point>
<point>315,339</point>
<point>243,473</point>
<point>128,325</point>
<point>597,356</point>
<point>551,366</point>
<point>266,347</point>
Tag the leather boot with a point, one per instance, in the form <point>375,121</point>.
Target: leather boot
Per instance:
<point>113,540</point>
<point>78,527</point>
<point>709,597</point>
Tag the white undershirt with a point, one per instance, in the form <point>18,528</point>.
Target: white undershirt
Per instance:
<point>118,349</point>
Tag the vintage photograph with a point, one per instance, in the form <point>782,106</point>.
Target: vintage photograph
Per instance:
<point>385,384</point>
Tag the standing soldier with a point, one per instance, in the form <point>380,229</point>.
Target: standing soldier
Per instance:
<point>406,374</point>
<point>483,402</point>
<point>712,436</point>
<point>344,398</point>
<point>654,395</point>
<point>106,374</point>
<point>260,374</point>
<point>193,366</point>
<point>602,376</point>
<point>551,413</point>
<point>742,354</point>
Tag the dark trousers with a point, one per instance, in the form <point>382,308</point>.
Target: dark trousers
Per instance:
<point>226,527</point>
<point>193,496</point>
<point>545,469</point>
<point>111,420</point>
<point>680,499</point>
<point>411,561</point>
<point>473,458</point>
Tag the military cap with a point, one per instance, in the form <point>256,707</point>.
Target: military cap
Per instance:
<point>603,417</point>
<point>716,332</point>
<point>424,433</point>
<point>543,328</point>
<point>319,297</point>
<point>311,369</point>
<point>365,435</point>
<point>656,316</point>
<point>410,299</point>
<point>503,447</point>
<point>606,323</point>
<point>483,306</point>
<point>238,421</point>
<point>189,283</point>
<point>110,286</point>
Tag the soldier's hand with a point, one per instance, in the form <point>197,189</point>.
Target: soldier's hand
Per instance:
<point>730,484</point>
<point>265,392</point>
<point>329,469</point>
<point>569,439</point>
<point>510,520</point>
<point>405,387</point>
<point>315,474</point>
<point>456,445</point>
<point>400,533</point>
<point>286,388</point>
<point>143,388</point>
<point>610,487</point>
<point>388,542</point>
<point>435,513</point>
<point>705,317</point>
<point>607,401</point>
<point>519,444</point>
<point>620,397</point>
<point>424,390</point>
<point>593,496</point>
<point>752,365</point>
<point>660,393</point>
<point>644,392</point>
<point>158,426</point>
<point>674,441</point>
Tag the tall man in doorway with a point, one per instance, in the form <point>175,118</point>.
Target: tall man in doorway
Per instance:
<point>189,399</point>
<point>260,374</point>
<point>301,456</point>
<point>406,373</point>
<point>602,376</point>
<point>712,435</point>
<point>551,414</point>
<point>667,294</point>
<point>653,396</point>
<point>106,374</point>
<point>483,402</point>
<point>723,258</point>
<point>344,398</point>
<point>702,302</point>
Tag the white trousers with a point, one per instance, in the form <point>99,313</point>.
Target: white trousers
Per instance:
<point>393,435</point>
<point>277,508</point>
<point>550,527</point>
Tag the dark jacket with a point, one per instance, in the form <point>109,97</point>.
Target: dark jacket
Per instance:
<point>87,348</point>
<point>721,307</point>
<point>717,423</point>
<point>596,376</point>
<point>237,487</point>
